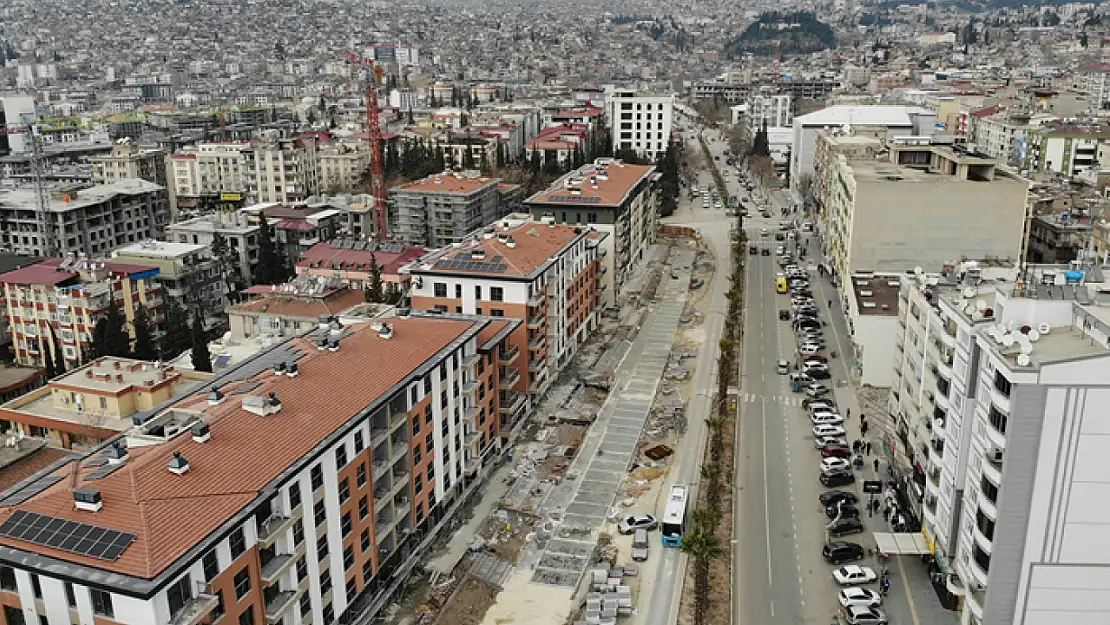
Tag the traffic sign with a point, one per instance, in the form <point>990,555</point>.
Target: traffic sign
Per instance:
<point>872,487</point>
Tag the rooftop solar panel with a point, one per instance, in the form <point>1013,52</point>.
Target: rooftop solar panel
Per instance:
<point>80,538</point>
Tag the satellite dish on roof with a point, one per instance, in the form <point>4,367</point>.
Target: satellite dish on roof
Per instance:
<point>969,291</point>
<point>980,305</point>
<point>1023,360</point>
<point>1026,348</point>
<point>958,302</point>
<point>1044,328</point>
<point>1007,339</point>
<point>1033,336</point>
<point>1012,325</point>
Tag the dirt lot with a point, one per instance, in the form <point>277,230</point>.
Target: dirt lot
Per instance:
<point>469,603</point>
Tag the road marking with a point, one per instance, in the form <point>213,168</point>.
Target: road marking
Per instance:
<point>772,608</point>
<point>766,504</point>
<point>909,595</point>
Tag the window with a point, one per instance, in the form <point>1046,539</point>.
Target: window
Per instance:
<point>997,419</point>
<point>496,312</point>
<point>7,579</point>
<point>359,445</point>
<point>306,604</point>
<point>298,532</point>
<point>211,565</point>
<point>344,490</point>
<point>294,496</point>
<point>989,490</point>
<point>429,442</point>
<point>242,583</point>
<point>325,585</point>
<point>363,508</point>
<point>1001,384</point>
<point>302,569</point>
<point>458,291</point>
<point>982,558</point>
<point>345,524</point>
<point>322,547</point>
<point>219,610</point>
<point>317,478</point>
<point>367,571</point>
<point>319,513</point>
<point>416,426</point>
<point>477,292</point>
<point>365,540</point>
<point>341,456</point>
<point>36,586</point>
<point>985,525</point>
<point>247,618</point>
<point>429,415</point>
<point>419,481</point>
<point>360,475</point>
<point>348,557</point>
<point>352,587</point>
<point>496,294</point>
<point>102,603</point>
<point>238,543</point>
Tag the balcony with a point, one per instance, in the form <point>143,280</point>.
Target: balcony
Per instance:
<point>471,359</point>
<point>510,402</point>
<point>272,527</point>
<point>509,356</point>
<point>196,609</point>
<point>992,466</point>
<point>469,387</point>
<point>537,342</point>
<point>471,413</point>
<point>278,604</point>
<point>536,366</point>
<point>509,378</point>
<point>934,477</point>
<point>272,570</point>
<point>536,299</point>
<point>535,322</point>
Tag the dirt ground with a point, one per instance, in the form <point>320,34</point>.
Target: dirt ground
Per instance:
<point>469,604</point>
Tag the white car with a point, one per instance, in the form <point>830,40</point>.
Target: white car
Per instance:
<point>853,575</point>
<point>834,464</point>
<point>864,615</point>
<point>830,418</point>
<point>822,442</point>
<point>809,349</point>
<point>827,429</point>
<point>860,596</point>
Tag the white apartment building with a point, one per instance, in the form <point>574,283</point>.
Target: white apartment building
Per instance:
<point>1094,81</point>
<point>771,110</point>
<point>280,170</point>
<point>342,165</point>
<point>1001,136</point>
<point>128,160</point>
<point>207,169</point>
<point>1069,149</point>
<point>16,112</point>
<point>240,235</point>
<point>640,122</point>
<point>1010,433</point>
<point>904,203</point>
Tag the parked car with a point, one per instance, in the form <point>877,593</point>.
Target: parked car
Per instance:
<point>808,349</point>
<point>818,405</point>
<point>834,480</point>
<point>782,367</point>
<point>826,417</point>
<point>840,551</point>
<point>640,545</point>
<point>843,527</point>
<point>800,379</point>
<point>636,522</point>
<point>815,358</point>
<point>753,249</point>
<point>828,429</point>
<point>859,596</point>
<point>836,451</point>
<point>816,390</point>
<point>819,374</point>
<point>833,496</point>
<point>864,615</point>
<point>821,442</point>
<point>765,252</point>
<point>834,465</point>
<point>845,510</point>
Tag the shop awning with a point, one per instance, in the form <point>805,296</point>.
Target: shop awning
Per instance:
<point>902,543</point>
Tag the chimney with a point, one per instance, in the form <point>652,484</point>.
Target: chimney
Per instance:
<point>87,499</point>
<point>333,344</point>
<point>292,370</point>
<point>261,406</point>
<point>116,454</point>
<point>202,432</point>
<point>119,378</point>
<point>116,365</point>
<point>178,465</point>
<point>279,368</point>
<point>385,332</point>
<point>477,254</point>
<point>322,340</point>
<point>215,396</point>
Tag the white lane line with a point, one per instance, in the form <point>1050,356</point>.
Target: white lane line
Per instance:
<point>766,503</point>
<point>772,608</point>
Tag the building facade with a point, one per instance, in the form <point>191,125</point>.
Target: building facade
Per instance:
<point>237,231</point>
<point>128,160</point>
<point>443,208</point>
<point>1094,82</point>
<point>641,123</point>
<point>1069,149</point>
<point>188,273</point>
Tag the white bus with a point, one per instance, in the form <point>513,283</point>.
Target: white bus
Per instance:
<point>674,517</point>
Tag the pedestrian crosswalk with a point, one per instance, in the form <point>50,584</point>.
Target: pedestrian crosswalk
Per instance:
<point>785,400</point>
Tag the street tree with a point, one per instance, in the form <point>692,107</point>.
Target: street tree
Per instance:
<point>145,349</point>
<point>202,359</point>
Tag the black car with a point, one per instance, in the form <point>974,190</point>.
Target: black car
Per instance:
<point>819,374</point>
<point>832,497</point>
<point>847,511</point>
<point>843,527</point>
<point>840,551</point>
<point>784,315</point>
<point>780,236</point>
<point>766,251</point>
<point>753,250</point>
<point>838,478</point>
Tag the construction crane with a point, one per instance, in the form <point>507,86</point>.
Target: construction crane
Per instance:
<point>374,128</point>
<point>38,176</point>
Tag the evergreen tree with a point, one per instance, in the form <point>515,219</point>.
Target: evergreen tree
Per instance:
<point>454,96</point>
<point>761,145</point>
<point>110,337</point>
<point>534,161</point>
<point>432,100</point>
<point>483,164</point>
<point>53,367</point>
<point>468,155</point>
<point>225,263</point>
<point>202,359</point>
<point>412,119</point>
<point>500,157</point>
<point>323,104</point>
<point>464,120</point>
<point>268,269</point>
<point>374,289</point>
<point>144,337</point>
<point>178,337</point>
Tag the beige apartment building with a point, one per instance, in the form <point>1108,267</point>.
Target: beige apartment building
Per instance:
<point>128,160</point>
<point>277,170</point>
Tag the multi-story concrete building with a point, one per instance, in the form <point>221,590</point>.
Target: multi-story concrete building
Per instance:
<point>275,506</point>
<point>90,220</point>
<point>237,231</point>
<point>1094,81</point>
<point>546,275</point>
<point>127,160</point>
<point>443,208</point>
<point>908,202</point>
<point>282,170</point>
<point>54,305</point>
<point>290,310</point>
<point>17,112</point>
<point>201,175</point>
<point>1002,136</point>
<point>188,273</point>
<point>1015,470</point>
<point>770,110</point>
<point>1068,148</point>
<point>342,166</point>
<point>641,123</point>
<point>351,261</point>
<point>613,197</point>
<point>96,401</point>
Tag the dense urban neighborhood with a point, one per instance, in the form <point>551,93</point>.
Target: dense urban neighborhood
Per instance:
<point>595,313</point>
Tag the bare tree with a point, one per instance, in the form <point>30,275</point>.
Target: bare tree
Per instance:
<point>762,170</point>
<point>805,188</point>
<point>738,140</point>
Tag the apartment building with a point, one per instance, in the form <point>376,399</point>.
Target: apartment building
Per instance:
<point>1068,148</point>
<point>282,170</point>
<point>351,261</point>
<point>201,511</point>
<point>239,234</point>
<point>770,110</point>
<point>443,208</point>
<point>95,402</point>
<point>16,111</point>
<point>546,275</point>
<point>53,306</point>
<point>202,174</point>
<point>1015,464</point>
<point>612,197</point>
<point>910,202</point>
<point>1094,82</point>
<point>342,166</point>
<point>127,160</point>
<point>641,123</point>
<point>1002,136</point>
<point>188,273</point>
<point>90,220</point>
<point>289,310</point>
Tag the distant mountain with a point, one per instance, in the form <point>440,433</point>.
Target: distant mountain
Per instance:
<point>790,33</point>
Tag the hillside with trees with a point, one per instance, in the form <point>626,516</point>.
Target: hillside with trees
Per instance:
<point>790,33</point>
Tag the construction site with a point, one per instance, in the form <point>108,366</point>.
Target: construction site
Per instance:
<point>598,447</point>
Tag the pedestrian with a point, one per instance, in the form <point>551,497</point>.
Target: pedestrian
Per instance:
<point>869,450</point>
<point>855,446</point>
<point>830,304</point>
<point>876,463</point>
<point>864,428</point>
<point>861,417</point>
<point>848,413</point>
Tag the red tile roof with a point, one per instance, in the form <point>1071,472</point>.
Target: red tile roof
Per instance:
<point>534,244</point>
<point>45,272</point>
<point>1097,67</point>
<point>448,183</point>
<point>28,465</point>
<point>169,514</point>
<point>294,224</point>
<point>986,112</point>
<point>288,305</point>
<point>326,255</point>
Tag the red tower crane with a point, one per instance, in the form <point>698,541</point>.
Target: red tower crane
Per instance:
<point>374,128</point>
